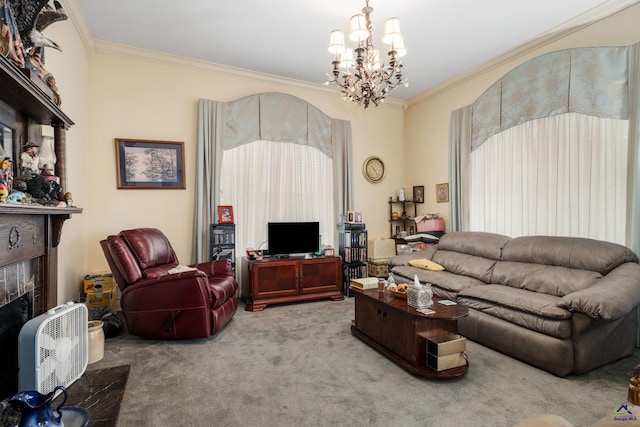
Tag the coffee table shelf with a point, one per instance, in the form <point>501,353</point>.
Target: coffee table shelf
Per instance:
<point>400,332</point>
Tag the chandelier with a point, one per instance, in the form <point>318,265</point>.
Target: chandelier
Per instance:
<point>364,79</point>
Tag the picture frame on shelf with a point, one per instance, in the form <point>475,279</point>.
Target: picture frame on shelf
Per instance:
<point>147,164</point>
<point>442,193</point>
<point>418,193</point>
<point>354,217</point>
<point>225,214</point>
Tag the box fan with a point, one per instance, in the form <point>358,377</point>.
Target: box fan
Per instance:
<point>53,348</point>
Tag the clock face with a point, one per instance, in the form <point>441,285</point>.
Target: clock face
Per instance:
<point>373,169</point>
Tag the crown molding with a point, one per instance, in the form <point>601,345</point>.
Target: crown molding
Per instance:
<point>75,14</point>
<point>97,46</point>
<point>584,20</point>
<point>223,70</point>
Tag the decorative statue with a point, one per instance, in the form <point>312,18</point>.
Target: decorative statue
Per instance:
<point>634,387</point>
<point>6,174</point>
<point>29,159</point>
<point>26,19</point>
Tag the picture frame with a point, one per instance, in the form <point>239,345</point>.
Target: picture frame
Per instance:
<point>442,193</point>
<point>418,193</point>
<point>147,164</point>
<point>225,214</point>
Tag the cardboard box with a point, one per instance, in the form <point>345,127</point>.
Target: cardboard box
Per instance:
<point>446,362</point>
<point>446,344</point>
<point>381,249</point>
<point>100,303</point>
<point>101,281</point>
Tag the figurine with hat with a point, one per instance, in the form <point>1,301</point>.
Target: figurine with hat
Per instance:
<point>29,159</point>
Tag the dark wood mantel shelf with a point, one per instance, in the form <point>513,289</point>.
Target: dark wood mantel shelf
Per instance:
<point>58,216</point>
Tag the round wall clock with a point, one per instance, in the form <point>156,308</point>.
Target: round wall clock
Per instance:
<point>373,169</point>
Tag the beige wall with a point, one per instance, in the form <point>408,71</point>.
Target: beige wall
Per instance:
<point>427,122</point>
<point>110,94</point>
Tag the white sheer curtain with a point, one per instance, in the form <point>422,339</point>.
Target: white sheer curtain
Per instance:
<point>564,175</point>
<point>277,181</point>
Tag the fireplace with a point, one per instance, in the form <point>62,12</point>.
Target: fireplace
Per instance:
<point>29,237</point>
<point>20,290</point>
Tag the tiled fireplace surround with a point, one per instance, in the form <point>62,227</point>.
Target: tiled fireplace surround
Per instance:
<point>20,290</point>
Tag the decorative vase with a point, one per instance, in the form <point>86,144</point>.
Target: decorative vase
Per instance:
<point>35,408</point>
<point>47,154</point>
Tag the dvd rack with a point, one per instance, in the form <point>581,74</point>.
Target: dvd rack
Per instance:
<point>223,243</point>
<point>353,251</point>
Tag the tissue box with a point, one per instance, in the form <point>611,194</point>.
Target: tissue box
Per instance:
<point>381,249</point>
<point>419,298</point>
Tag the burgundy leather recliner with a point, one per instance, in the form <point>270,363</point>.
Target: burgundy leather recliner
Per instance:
<point>162,305</point>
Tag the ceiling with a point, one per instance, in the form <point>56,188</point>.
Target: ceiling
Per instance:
<point>289,38</point>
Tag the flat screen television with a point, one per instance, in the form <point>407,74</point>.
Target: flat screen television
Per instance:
<point>290,238</point>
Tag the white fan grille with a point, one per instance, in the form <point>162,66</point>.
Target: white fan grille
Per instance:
<point>54,348</point>
<point>62,361</point>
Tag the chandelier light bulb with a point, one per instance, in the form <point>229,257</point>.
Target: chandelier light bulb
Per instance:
<point>362,77</point>
<point>336,42</point>
<point>399,48</point>
<point>359,31</point>
<point>392,31</point>
<point>346,58</point>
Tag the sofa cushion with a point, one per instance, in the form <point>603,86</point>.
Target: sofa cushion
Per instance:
<point>426,264</point>
<point>467,265</point>
<point>450,282</point>
<point>570,252</point>
<point>486,245</point>
<point>404,259</point>
<point>531,310</point>
<point>546,279</point>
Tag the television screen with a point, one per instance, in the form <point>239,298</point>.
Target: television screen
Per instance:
<point>286,238</point>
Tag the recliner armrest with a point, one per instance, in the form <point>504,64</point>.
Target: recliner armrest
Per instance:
<point>215,268</point>
<point>186,289</point>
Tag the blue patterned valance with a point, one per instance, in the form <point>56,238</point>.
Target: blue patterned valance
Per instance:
<point>591,81</point>
<point>276,117</point>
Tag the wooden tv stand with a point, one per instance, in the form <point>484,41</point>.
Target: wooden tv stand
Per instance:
<point>274,281</point>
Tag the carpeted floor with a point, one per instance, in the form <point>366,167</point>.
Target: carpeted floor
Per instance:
<point>299,365</point>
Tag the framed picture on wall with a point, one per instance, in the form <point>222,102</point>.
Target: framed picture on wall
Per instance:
<point>144,164</point>
<point>442,193</point>
<point>225,214</point>
<point>418,193</point>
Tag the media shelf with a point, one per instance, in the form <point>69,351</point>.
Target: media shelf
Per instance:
<point>353,251</point>
<point>405,221</point>
<point>223,243</point>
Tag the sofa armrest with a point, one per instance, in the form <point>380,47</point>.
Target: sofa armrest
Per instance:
<point>173,291</point>
<point>215,268</point>
<point>614,296</point>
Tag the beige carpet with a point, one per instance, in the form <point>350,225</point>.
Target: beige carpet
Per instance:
<point>298,365</point>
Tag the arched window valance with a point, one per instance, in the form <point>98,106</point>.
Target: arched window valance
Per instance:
<point>592,81</point>
<point>276,117</point>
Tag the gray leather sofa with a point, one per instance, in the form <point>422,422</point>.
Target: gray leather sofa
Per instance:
<point>566,305</point>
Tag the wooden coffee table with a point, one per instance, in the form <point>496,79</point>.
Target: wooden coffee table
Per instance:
<point>400,332</point>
